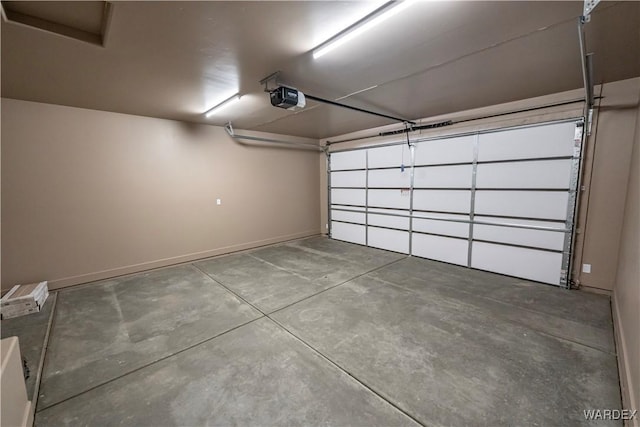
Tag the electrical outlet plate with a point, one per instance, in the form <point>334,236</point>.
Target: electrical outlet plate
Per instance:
<point>586,268</point>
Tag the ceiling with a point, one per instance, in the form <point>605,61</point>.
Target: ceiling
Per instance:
<point>178,59</point>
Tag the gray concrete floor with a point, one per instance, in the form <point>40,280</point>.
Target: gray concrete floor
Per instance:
<point>321,332</point>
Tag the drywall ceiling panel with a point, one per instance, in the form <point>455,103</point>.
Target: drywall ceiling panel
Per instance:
<point>426,35</point>
<point>613,35</point>
<point>178,59</point>
<point>172,59</point>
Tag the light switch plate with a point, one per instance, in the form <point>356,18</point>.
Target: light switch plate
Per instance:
<point>218,201</point>
<point>586,268</point>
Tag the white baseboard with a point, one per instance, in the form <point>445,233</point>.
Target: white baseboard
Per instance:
<point>150,265</point>
<point>626,382</point>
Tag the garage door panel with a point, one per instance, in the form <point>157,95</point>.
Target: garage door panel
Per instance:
<point>349,179</point>
<point>403,212</point>
<point>454,251</point>
<point>389,199</point>
<point>520,236</point>
<point>394,155</point>
<point>348,232</point>
<point>538,174</point>
<point>442,200</point>
<point>443,176</point>
<point>342,196</point>
<point>395,178</point>
<point>389,221</point>
<point>357,217</point>
<point>554,140</point>
<point>391,240</point>
<point>527,204</point>
<point>448,150</point>
<point>355,159</point>
<point>446,228</point>
<point>542,266</point>
<point>560,224</point>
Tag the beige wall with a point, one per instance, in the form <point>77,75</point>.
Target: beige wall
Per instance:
<point>607,182</point>
<point>626,294</point>
<point>606,167</point>
<point>89,194</point>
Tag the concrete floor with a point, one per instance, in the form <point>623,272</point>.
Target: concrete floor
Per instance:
<point>321,332</point>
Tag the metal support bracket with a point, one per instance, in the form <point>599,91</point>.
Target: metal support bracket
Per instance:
<point>270,79</point>
<point>589,5</point>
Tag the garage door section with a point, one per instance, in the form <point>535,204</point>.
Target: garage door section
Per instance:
<point>443,175</point>
<point>389,197</point>
<point>524,190</point>
<point>501,201</point>
<point>348,196</point>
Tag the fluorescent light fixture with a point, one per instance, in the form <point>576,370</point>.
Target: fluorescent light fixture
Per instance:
<point>232,99</point>
<point>361,26</point>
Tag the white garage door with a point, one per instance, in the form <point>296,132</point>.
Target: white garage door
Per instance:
<point>500,201</point>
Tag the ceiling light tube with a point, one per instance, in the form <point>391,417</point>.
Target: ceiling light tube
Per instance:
<point>370,21</point>
<point>223,104</point>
